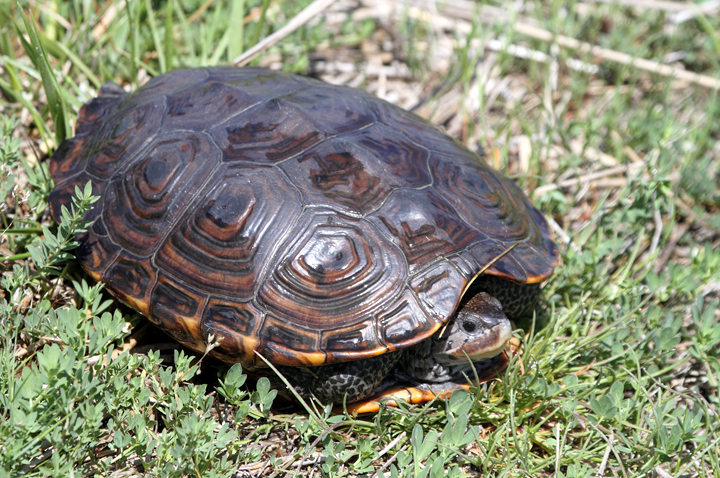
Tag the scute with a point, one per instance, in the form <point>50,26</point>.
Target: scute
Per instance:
<point>226,240</point>
<point>486,201</point>
<point>95,111</point>
<point>133,278</point>
<point>199,108</point>
<point>288,344</point>
<point>96,251</point>
<point>63,194</point>
<point>145,198</point>
<point>67,160</point>
<point>351,342</point>
<point>176,309</point>
<point>404,321</point>
<point>283,216</point>
<point>439,289</point>
<point>405,160</point>
<point>423,226</point>
<point>266,133</point>
<point>235,325</point>
<point>333,271</point>
<point>119,137</point>
<point>339,174</point>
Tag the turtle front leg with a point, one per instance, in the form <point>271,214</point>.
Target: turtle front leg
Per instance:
<point>348,381</point>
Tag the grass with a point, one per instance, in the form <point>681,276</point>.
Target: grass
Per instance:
<point>619,371</point>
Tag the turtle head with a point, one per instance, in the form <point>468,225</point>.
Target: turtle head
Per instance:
<point>478,331</point>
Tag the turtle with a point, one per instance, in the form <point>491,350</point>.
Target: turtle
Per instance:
<point>315,227</point>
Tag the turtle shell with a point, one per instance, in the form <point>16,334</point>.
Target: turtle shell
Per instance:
<point>311,223</point>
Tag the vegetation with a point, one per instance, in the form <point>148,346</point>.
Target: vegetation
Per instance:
<point>619,369</point>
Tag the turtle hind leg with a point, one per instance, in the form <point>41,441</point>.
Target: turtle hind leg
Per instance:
<point>341,382</point>
<point>517,300</point>
<point>348,381</point>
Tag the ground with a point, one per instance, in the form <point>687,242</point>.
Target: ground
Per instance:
<point>605,113</point>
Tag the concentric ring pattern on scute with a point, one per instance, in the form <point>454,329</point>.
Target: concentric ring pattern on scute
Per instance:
<point>309,222</point>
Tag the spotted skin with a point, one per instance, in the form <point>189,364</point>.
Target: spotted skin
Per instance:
<point>342,382</point>
<point>419,368</point>
<point>418,363</point>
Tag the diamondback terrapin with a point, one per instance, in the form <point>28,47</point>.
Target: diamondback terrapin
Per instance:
<point>331,232</point>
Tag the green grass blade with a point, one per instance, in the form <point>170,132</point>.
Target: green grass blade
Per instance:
<point>236,28</point>
<point>191,40</point>
<point>169,41</point>
<point>289,386</point>
<point>220,49</point>
<point>156,36</point>
<point>16,257</point>
<point>133,43</point>
<point>7,50</point>
<point>24,231</point>
<point>260,22</point>
<point>56,102</point>
<point>45,132</point>
<point>58,47</point>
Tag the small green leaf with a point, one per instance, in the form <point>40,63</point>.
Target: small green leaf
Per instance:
<point>570,380</point>
<point>49,360</point>
<point>235,376</point>
<point>263,386</point>
<point>403,459</point>
<point>604,407</point>
<point>460,402</point>
<point>423,447</point>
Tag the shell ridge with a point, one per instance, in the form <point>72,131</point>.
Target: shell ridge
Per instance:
<point>384,127</point>
<point>300,153</point>
<point>330,137</point>
<point>141,147</point>
<point>248,108</point>
<point>181,215</point>
<point>393,190</point>
<point>284,174</point>
<point>274,256</point>
<point>415,143</point>
<point>74,176</point>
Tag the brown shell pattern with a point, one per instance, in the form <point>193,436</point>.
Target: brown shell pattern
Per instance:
<point>308,222</point>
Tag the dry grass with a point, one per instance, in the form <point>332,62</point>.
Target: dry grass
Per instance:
<point>605,113</point>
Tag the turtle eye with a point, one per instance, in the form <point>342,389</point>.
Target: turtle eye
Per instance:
<point>468,326</point>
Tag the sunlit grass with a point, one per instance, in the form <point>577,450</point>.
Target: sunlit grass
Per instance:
<point>618,374</point>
